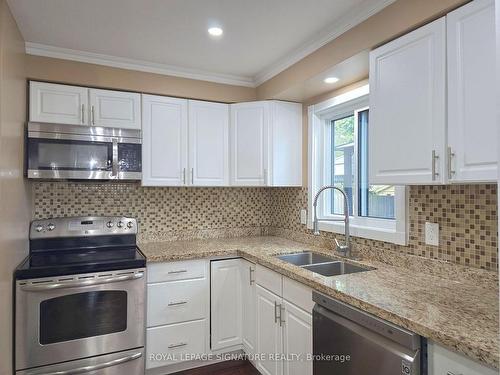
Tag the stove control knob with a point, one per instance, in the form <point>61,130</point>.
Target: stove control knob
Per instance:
<point>51,227</point>
<point>39,228</point>
<point>130,224</point>
<point>120,224</point>
<point>109,224</point>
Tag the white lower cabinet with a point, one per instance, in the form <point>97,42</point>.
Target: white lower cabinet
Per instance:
<point>445,362</point>
<point>178,320</point>
<point>226,303</point>
<point>284,325</point>
<point>249,300</point>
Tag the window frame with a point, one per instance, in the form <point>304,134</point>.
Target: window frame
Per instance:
<point>319,172</point>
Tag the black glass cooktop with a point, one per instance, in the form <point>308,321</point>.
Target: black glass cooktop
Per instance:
<point>75,261</point>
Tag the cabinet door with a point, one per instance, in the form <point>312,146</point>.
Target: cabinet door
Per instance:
<point>407,108</point>
<point>249,305</point>
<point>59,104</point>
<point>249,136</point>
<point>164,143</point>
<point>297,340</point>
<point>471,93</point>
<point>226,303</point>
<point>269,338</point>
<point>445,362</point>
<point>208,143</point>
<point>285,144</point>
<point>115,109</point>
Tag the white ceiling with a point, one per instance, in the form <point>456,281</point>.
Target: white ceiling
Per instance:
<point>261,37</point>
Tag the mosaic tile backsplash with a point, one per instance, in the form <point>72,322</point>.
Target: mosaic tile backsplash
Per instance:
<point>467,215</point>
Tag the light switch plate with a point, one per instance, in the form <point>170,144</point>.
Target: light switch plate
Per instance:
<point>432,234</point>
<point>303,216</point>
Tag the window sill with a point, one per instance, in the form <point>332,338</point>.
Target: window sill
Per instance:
<point>372,233</point>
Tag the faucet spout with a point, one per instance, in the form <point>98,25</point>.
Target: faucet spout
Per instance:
<point>344,249</point>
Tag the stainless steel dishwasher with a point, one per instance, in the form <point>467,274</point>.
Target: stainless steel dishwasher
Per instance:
<point>348,341</point>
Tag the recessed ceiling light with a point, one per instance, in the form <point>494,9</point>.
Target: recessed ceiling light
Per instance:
<point>331,80</point>
<point>215,31</point>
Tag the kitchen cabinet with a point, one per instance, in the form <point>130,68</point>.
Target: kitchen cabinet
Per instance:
<point>471,93</point>
<point>177,311</point>
<point>115,109</point>
<point>75,105</point>
<point>266,144</point>
<point>226,303</point>
<point>408,108</point>
<point>284,324</point>
<point>58,104</point>
<point>445,362</point>
<point>164,143</point>
<point>249,298</point>
<point>418,135</point>
<point>208,143</point>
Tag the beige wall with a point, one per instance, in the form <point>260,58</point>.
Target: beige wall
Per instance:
<point>392,21</point>
<point>78,73</point>
<point>15,201</point>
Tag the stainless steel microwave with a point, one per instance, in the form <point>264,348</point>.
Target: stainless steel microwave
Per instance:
<point>57,151</point>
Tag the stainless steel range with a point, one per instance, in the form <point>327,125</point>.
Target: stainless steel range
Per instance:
<point>80,299</point>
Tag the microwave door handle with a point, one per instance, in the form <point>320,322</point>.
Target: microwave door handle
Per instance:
<point>80,283</point>
<point>114,170</point>
<point>85,369</point>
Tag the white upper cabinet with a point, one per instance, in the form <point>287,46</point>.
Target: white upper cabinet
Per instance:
<point>115,109</point>
<point>408,108</point>
<point>266,144</point>
<point>471,93</point>
<point>58,104</point>
<point>249,127</point>
<point>164,144</point>
<point>208,143</point>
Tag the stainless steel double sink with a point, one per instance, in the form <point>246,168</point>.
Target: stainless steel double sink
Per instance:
<point>322,264</point>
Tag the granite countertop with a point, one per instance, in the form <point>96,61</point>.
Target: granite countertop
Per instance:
<point>458,313</point>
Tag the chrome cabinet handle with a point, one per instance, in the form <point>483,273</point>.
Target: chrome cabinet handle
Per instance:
<point>282,310</point>
<point>83,113</point>
<point>265,177</point>
<point>176,272</point>
<point>114,168</point>
<point>80,283</point>
<point>251,273</point>
<point>435,157</point>
<point>452,373</point>
<point>172,346</point>
<point>184,176</point>
<point>177,303</point>
<point>192,176</point>
<point>451,155</point>
<point>275,312</point>
<point>81,370</point>
<point>92,115</point>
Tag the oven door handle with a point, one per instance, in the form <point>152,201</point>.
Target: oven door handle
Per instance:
<point>84,369</point>
<point>80,283</point>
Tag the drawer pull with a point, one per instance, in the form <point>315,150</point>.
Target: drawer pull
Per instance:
<point>176,272</point>
<point>179,345</point>
<point>252,280</point>
<point>452,373</point>
<point>177,303</point>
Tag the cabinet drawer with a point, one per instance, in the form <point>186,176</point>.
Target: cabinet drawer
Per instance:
<point>268,279</point>
<point>191,269</point>
<point>298,294</point>
<point>177,301</point>
<point>169,344</point>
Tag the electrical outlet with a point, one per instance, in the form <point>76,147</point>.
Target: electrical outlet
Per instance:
<point>303,216</point>
<point>432,234</point>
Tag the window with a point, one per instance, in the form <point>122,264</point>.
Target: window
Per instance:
<point>339,156</point>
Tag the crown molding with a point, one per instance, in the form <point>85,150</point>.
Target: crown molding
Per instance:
<point>38,49</point>
<point>353,18</point>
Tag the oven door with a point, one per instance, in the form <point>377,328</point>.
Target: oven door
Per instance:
<point>73,317</point>
<point>105,155</point>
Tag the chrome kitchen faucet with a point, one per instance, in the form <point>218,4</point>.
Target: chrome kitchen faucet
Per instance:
<point>344,249</point>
